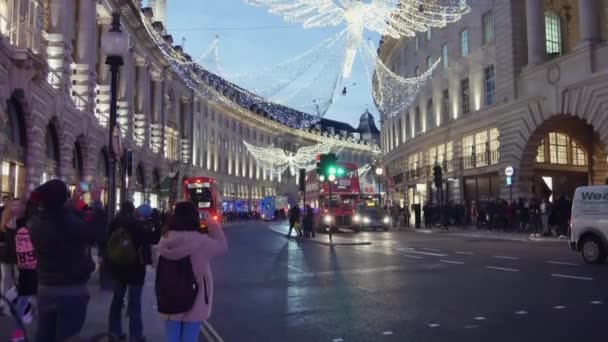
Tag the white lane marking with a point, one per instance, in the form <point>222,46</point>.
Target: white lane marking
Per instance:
<point>562,263</point>
<point>296,269</point>
<point>434,325</point>
<point>570,277</point>
<point>387,333</point>
<point>365,289</point>
<point>471,326</point>
<point>521,312</point>
<point>431,249</point>
<point>559,307</point>
<point>452,262</point>
<point>338,340</point>
<point>214,333</point>
<point>502,269</point>
<point>505,257</point>
<point>596,302</point>
<point>412,256</point>
<point>479,318</point>
<point>411,250</point>
<point>464,253</point>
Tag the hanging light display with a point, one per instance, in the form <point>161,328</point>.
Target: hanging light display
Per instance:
<point>217,90</point>
<point>394,18</point>
<point>392,92</point>
<point>277,160</point>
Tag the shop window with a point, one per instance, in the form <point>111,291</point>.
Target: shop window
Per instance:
<point>468,151</point>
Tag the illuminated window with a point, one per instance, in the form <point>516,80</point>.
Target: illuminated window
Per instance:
<point>553,33</point>
<point>481,148</point>
<point>467,151</point>
<point>449,155</point>
<point>579,156</point>
<point>494,146</point>
<point>558,148</point>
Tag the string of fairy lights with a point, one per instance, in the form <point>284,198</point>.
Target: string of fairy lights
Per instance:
<point>308,83</point>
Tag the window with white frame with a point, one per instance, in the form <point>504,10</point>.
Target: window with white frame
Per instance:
<point>429,34</point>
<point>488,27</point>
<point>553,33</point>
<point>417,121</point>
<point>490,85</point>
<point>464,43</point>
<point>444,56</point>
<point>429,62</point>
<point>417,43</point>
<point>559,148</point>
<point>445,106</point>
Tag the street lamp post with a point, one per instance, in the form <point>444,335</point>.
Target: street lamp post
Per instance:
<point>116,44</point>
<point>379,172</point>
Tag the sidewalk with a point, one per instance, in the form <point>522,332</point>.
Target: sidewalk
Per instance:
<point>97,314</point>
<point>473,232</point>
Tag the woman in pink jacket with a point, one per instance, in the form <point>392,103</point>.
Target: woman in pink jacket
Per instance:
<point>182,239</point>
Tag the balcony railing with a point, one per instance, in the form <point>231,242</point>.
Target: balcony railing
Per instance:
<point>54,79</point>
<point>79,102</point>
<point>480,159</point>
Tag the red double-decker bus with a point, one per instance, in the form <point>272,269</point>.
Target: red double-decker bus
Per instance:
<point>345,194</point>
<point>201,191</point>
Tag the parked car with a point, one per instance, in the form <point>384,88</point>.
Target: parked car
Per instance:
<point>589,223</point>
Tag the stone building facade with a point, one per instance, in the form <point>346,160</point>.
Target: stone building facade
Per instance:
<point>54,108</point>
<point>521,84</point>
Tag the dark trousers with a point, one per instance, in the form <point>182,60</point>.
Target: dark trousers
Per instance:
<point>136,327</point>
<point>60,316</point>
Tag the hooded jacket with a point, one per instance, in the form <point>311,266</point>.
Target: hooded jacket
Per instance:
<point>201,248</point>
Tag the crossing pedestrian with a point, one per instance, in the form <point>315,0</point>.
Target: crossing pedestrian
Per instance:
<point>130,237</point>
<point>184,244</point>
<point>62,240</point>
<point>294,218</point>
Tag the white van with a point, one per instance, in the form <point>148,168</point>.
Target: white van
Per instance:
<point>589,223</point>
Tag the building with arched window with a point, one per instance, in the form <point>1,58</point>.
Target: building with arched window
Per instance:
<point>54,109</point>
<point>523,84</point>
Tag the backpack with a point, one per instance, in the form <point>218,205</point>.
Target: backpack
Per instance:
<point>121,249</point>
<point>176,287</point>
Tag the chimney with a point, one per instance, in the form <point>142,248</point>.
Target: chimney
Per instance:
<point>159,10</point>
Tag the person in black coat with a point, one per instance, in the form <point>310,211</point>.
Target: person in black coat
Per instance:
<point>131,277</point>
<point>309,222</point>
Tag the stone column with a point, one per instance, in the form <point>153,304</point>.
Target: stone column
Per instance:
<point>142,99</point>
<point>86,50</point>
<point>535,21</point>
<point>589,21</point>
<point>156,134</point>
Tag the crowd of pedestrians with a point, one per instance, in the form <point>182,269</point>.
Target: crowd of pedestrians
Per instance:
<point>46,249</point>
<point>531,216</point>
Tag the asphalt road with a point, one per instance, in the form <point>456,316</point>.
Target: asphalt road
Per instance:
<point>405,286</point>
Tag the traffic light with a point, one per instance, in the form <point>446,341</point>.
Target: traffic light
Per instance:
<point>438,176</point>
<point>327,166</point>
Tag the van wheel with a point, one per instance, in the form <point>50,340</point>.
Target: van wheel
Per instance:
<point>593,251</point>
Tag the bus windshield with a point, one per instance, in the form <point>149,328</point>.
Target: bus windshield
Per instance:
<point>200,195</point>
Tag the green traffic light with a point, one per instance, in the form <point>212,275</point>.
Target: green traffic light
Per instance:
<point>340,171</point>
<point>332,170</point>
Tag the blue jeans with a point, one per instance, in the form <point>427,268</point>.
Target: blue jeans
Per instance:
<point>136,327</point>
<point>182,331</point>
<point>60,316</point>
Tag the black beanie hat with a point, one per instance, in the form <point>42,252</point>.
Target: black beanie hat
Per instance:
<point>53,194</point>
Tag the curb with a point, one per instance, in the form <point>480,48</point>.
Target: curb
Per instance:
<point>483,236</point>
